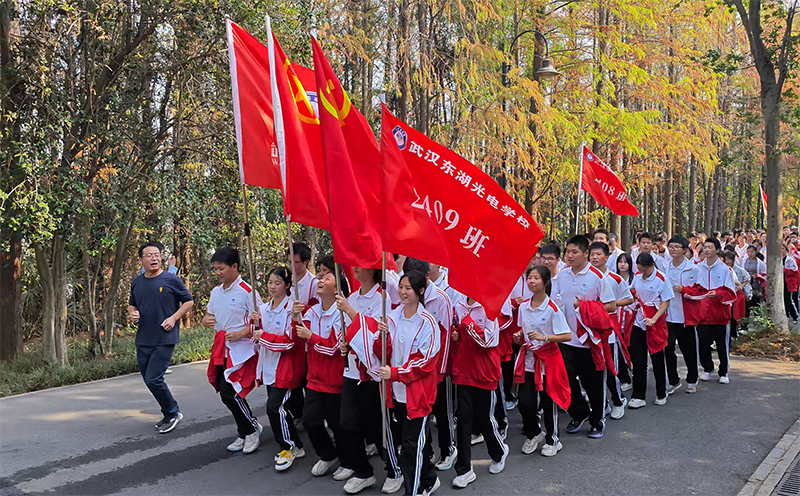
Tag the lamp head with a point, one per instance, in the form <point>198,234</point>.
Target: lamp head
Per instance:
<point>547,72</point>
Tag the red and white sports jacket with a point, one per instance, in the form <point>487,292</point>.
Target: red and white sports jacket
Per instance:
<point>282,358</point>
<point>476,357</point>
<point>412,353</point>
<point>325,361</point>
<point>719,278</point>
<point>791,274</point>
<point>438,304</point>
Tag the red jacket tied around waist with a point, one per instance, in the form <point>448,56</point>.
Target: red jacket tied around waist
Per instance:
<point>595,326</point>
<point>476,357</point>
<point>555,375</point>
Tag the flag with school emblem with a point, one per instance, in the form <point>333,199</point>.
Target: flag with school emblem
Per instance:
<point>604,186</point>
<point>279,150</point>
<point>352,172</point>
<point>446,210</point>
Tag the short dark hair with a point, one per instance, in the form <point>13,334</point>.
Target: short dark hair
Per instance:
<point>412,264</point>
<point>227,256</point>
<point>660,237</point>
<point>327,262</point>
<point>598,245</point>
<point>680,240</point>
<point>154,244</point>
<point>645,235</point>
<point>613,238</point>
<point>303,250</point>
<point>729,255</point>
<point>645,260</point>
<point>715,234</point>
<point>603,232</point>
<point>713,241</point>
<point>550,249</point>
<point>729,247</point>
<point>752,247</point>
<point>580,241</point>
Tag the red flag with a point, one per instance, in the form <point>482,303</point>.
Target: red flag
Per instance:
<point>604,185</point>
<point>304,192</point>
<point>446,210</point>
<point>352,165</point>
<point>763,199</point>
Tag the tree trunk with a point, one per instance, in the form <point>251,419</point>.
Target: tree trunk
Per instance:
<point>668,203</point>
<point>89,302</point>
<point>109,302</point>
<point>59,273</point>
<point>692,194</point>
<point>770,106</point>
<point>680,218</point>
<point>709,189</point>
<point>10,297</point>
<point>403,78</point>
<point>48,304</point>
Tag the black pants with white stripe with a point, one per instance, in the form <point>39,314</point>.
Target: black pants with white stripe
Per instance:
<point>360,417</point>
<point>612,381</point>
<point>529,401</point>
<point>639,351</point>
<point>281,419</point>
<point>444,411</point>
<point>415,450</point>
<point>245,420</point>
<point>476,409</point>
<point>580,365</point>
<point>686,339</point>
<point>319,408</point>
<point>717,333</point>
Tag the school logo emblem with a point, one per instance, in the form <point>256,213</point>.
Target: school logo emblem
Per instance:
<point>589,156</point>
<point>400,137</point>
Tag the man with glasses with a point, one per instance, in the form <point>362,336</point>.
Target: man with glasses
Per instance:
<point>682,273</point>
<point>157,303</point>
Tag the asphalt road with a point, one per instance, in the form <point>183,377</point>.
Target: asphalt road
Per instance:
<point>98,438</point>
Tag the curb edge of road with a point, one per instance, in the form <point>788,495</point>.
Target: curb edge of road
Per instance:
<point>772,469</point>
<point>92,382</point>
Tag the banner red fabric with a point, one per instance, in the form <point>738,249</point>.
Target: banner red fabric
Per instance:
<point>353,173</point>
<point>763,199</point>
<point>445,210</point>
<point>604,186</point>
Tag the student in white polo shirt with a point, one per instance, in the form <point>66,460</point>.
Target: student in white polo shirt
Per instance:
<point>681,272</point>
<point>230,308</point>
<point>653,290</point>
<point>598,254</point>
<point>582,282</point>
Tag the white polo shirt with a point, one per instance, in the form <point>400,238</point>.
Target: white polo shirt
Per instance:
<point>306,288</point>
<point>621,292</point>
<point>652,291</point>
<point>684,274</point>
<point>232,308</point>
<point>369,305</point>
<point>546,319</point>
<point>588,285</point>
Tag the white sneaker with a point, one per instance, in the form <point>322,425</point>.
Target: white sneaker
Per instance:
<point>322,467</point>
<point>476,439</point>
<point>285,458</point>
<point>723,379</point>
<point>237,445</point>
<point>691,388</point>
<point>637,403</point>
<point>447,462</point>
<point>617,412</point>
<point>497,467</point>
<point>705,376</point>
<point>342,474</point>
<point>550,450</point>
<point>251,441</point>
<point>372,450</point>
<point>464,480</point>
<point>530,445</point>
<point>355,485</point>
<point>626,386</point>
<point>391,486</point>
<point>661,401</point>
<point>671,389</point>
<point>433,488</point>
<point>510,405</point>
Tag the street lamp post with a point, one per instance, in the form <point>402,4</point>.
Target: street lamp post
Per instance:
<point>546,72</point>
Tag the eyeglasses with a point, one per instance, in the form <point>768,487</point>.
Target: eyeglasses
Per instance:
<point>151,255</point>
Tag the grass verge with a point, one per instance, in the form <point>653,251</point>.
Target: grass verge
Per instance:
<point>29,372</point>
<point>768,344</point>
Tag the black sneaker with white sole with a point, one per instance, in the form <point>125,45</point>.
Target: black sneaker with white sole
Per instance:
<point>161,423</point>
<point>575,425</point>
<point>171,424</point>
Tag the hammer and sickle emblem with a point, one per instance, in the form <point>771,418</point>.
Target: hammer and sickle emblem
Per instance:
<point>329,102</point>
<point>304,109</point>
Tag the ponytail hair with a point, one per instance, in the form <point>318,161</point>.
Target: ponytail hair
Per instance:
<point>286,276</point>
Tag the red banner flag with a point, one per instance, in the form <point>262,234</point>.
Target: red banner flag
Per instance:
<point>445,210</point>
<point>353,173</point>
<point>763,199</point>
<point>604,185</point>
<point>304,192</point>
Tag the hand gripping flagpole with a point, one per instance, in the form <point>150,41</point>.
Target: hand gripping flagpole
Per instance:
<point>237,118</point>
<point>578,196</point>
<point>342,341</point>
<point>280,140</point>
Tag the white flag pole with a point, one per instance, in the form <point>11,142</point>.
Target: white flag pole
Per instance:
<point>280,141</point>
<point>578,197</point>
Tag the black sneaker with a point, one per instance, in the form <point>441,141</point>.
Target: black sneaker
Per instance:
<point>596,432</point>
<point>170,424</point>
<point>161,423</point>
<point>575,425</point>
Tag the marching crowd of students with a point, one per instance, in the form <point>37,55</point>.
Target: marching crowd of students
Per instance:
<point>574,335</point>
